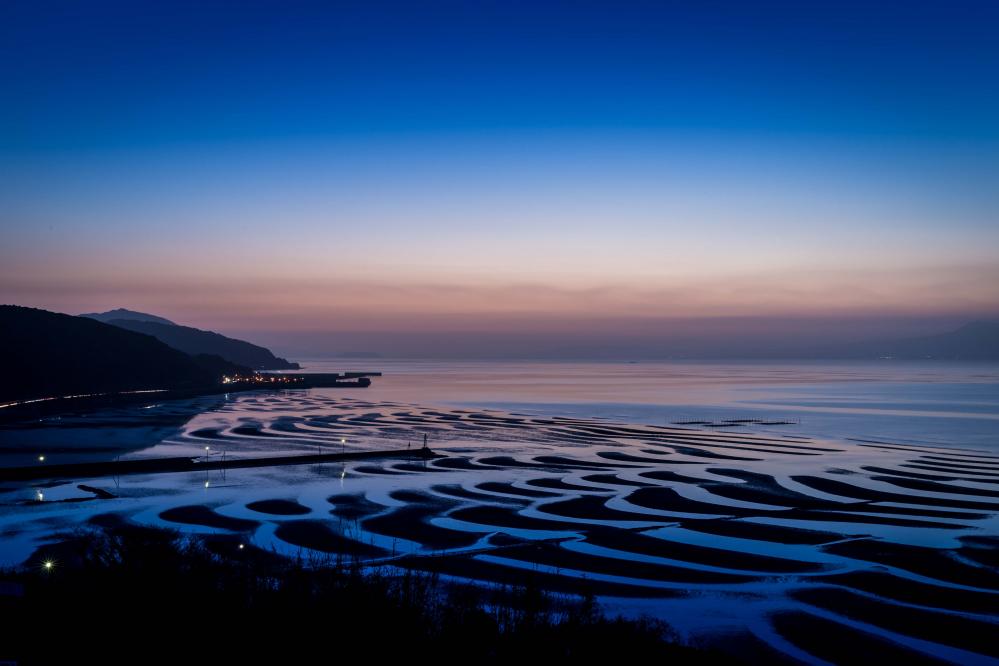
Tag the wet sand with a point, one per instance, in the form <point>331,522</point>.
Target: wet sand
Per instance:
<point>889,550</point>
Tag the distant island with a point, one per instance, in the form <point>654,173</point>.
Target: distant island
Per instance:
<point>193,340</point>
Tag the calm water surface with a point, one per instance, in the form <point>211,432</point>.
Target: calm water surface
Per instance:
<point>940,403</point>
<point>871,512</point>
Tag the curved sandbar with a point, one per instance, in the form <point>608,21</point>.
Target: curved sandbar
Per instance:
<point>162,465</point>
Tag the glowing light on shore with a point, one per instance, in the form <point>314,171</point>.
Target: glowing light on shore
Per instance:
<point>78,395</point>
<point>259,378</point>
<point>48,565</point>
<point>41,458</point>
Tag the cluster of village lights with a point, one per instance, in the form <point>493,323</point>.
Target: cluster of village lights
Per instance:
<point>260,379</point>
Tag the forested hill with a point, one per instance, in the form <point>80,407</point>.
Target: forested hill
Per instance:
<point>49,354</point>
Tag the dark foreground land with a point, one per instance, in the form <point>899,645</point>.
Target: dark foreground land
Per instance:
<point>128,595</point>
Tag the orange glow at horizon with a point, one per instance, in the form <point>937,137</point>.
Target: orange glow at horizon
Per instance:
<point>345,304</point>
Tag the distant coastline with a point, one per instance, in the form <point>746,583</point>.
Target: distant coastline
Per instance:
<point>36,408</point>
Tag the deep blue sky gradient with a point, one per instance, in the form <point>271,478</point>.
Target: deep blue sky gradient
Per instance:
<point>96,74</point>
<point>502,166</point>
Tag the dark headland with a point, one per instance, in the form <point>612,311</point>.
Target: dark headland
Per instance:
<point>57,361</point>
<point>195,341</point>
<point>51,354</point>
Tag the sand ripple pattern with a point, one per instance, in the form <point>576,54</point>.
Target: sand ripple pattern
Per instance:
<point>799,549</point>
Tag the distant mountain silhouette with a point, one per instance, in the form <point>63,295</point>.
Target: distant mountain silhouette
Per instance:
<point>977,341</point>
<point>49,354</point>
<point>359,354</point>
<point>192,340</point>
<point>195,341</point>
<point>122,313</point>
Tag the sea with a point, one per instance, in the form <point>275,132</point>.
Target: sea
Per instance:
<point>788,509</point>
<point>930,402</point>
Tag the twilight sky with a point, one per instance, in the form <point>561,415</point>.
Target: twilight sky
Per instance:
<point>498,178</point>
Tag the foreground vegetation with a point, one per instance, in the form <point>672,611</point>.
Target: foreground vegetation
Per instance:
<point>130,595</point>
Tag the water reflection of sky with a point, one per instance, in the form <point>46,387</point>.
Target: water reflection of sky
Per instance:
<point>934,402</point>
<point>715,515</point>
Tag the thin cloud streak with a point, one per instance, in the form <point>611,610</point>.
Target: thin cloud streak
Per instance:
<point>342,305</point>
